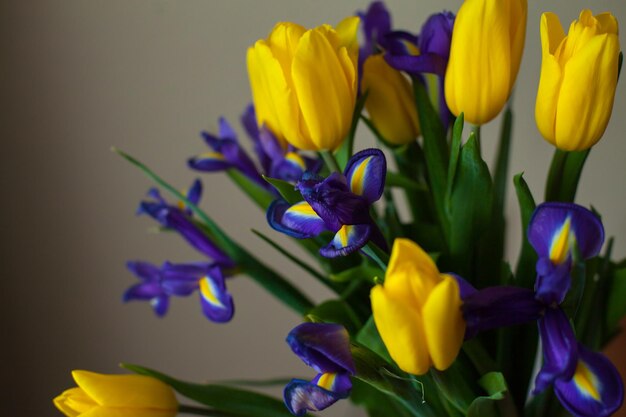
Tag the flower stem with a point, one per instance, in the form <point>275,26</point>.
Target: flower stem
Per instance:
<point>330,161</point>
<point>476,131</point>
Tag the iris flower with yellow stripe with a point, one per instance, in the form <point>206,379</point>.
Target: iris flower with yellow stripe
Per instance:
<point>340,204</point>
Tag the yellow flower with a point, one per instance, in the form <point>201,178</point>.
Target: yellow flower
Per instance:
<point>390,101</point>
<point>304,82</point>
<point>418,311</point>
<point>485,54</point>
<point>578,79</point>
<point>99,395</point>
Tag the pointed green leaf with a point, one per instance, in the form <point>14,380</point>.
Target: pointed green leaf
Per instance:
<point>492,404</point>
<point>221,398</point>
<point>455,151</point>
<point>256,193</point>
<point>525,272</point>
<point>285,189</point>
<point>393,179</point>
<point>335,311</point>
<point>616,307</point>
<point>360,272</point>
<point>470,206</point>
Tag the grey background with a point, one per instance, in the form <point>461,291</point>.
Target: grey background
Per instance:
<point>80,76</point>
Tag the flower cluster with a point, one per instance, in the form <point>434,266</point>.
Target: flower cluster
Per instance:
<point>417,329</point>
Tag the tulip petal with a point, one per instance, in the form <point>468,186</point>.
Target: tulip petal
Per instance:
<point>444,326</point>
<point>581,122</point>
<point>480,75</point>
<point>73,402</point>
<point>323,91</point>
<point>298,220</point>
<point>132,391</point>
<point>402,330</point>
<point>595,390</point>
<point>411,273</point>
<point>121,412</point>
<point>301,396</point>
<point>559,349</point>
<point>323,346</point>
<point>347,240</point>
<point>366,172</point>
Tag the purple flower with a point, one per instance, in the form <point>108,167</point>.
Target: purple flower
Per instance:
<point>158,284</point>
<point>554,230</point>
<point>326,348</point>
<point>277,160</point>
<point>339,203</point>
<point>179,218</point>
<point>586,383</point>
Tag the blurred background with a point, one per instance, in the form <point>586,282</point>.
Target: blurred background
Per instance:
<point>147,76</point>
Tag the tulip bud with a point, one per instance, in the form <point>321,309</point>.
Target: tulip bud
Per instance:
<point>390,102</point>
<point>487,44</point>
<point>578,79</point>
<point>132,395</point>
<point>418,311</point>
<point>304,83</point>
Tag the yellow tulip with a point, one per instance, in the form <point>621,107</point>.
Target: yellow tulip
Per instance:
<point>390,101</point>
<point>578,79</point>
<point>99,395</point>
<point>304,83</point>
<point>418,311</point>
<point>485,54</point>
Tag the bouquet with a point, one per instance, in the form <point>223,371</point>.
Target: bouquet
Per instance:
<point>427,318</point>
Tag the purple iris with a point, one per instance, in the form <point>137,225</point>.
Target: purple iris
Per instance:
<point>585,382</point>
<point>179,218</point>
<point>339,203</point>
<point>158,284</point>
<point>277,161</point>
<point>326,348</point>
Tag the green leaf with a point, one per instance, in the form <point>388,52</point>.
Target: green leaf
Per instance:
<point>616,307</point>
<point>489,405</point>
<point>360,272</point>
<point>470,206</point>
<point>455,151</point>
<point>335,311</point>
<point>370,338</point>
<point>525,271</point>
<point>285,189</point>
<point>394,179</point>
<point>295,260</point>
<point>344,152</point>
<point>256,193</point>
<point>435,151</point>
<point>378,404</point>
<point>221,398</point>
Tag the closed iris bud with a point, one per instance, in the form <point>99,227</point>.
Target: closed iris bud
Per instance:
<point>119,395</point>
<point>390,102</point>
<point>418,311</point>
<point>487,45</point>
<point>304,83</point>
<point>578,79</point>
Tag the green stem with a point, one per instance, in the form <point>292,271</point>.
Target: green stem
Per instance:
<point>476,130</point>
<point>565,171</point>
<point>330,161</point>
<point>369,251</point>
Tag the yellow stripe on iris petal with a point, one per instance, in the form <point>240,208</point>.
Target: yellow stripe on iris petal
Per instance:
<point>559,249</point>
<point>302,208</point>
<point>211,155</point>
<point>327,381</point>
<point>344,235</point>
<point>586,381</point>
<point>296,159</point>
<point>208,291</point>
<point>358,176</point>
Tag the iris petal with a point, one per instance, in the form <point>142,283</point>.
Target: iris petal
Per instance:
<point>323,346</point>
<point>595,390</point>
<point>366,172</point>
<point>347,240</point>
<point>302,396</point>
<point>217,303</point>
<point>298,220</point>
